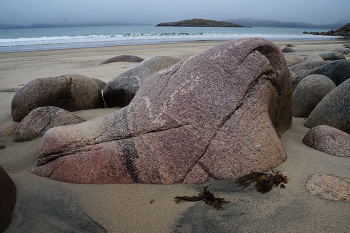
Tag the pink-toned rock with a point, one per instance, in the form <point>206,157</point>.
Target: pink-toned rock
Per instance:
<point>8,194</point>
<point>41,119</point>
<point>71,92</point>
<point>123,58</point>
<point>9,128</point>
<point>216,115</point>
<point>330,187</point>
<point>292,60</point>
<point>329,140</point>
<point>307,65</point>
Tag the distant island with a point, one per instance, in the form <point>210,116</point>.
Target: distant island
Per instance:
<point>198,23</point>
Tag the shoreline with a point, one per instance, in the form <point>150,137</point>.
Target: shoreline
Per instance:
<point>85,45</point>
<point>46,205</point>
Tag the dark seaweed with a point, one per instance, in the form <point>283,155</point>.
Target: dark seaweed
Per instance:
<point>205,196</point>
<point>263,182</point>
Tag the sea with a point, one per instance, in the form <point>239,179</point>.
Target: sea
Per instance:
<point>35,39</point>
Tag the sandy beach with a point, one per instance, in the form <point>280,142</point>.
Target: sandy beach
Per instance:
<point>45,205</point>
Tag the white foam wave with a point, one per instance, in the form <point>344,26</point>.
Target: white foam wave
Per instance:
<point>144,37</point>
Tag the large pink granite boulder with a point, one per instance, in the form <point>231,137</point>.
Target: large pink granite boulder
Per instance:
<point>71,92</point>
<point>216,115</point>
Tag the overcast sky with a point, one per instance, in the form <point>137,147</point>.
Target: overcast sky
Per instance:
<point>26,12</point>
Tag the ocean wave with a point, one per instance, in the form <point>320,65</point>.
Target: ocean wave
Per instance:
<point>144,36</point>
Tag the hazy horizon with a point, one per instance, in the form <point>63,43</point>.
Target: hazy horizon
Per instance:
<point>21,12</point>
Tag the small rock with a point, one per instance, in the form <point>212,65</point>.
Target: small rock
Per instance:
<point>40,120</point>
<point>332,56</point>
<point>288,50</point>
<point>329,140</point>
<point>329,187</point>
<point>123,58</point>
<point>9,128</point>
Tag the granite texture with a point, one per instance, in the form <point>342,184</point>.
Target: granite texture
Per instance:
<point>217,115</point>
<point>71,92</point>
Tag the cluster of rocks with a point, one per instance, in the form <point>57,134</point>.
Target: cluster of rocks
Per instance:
<point>217,115</point>
<point>343,31</point>
<point>187,123</point>
<point>321,95</point>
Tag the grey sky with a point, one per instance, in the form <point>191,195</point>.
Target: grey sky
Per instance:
<point>26,12</point>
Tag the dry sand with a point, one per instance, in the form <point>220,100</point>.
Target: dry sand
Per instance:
<point>45,205</point>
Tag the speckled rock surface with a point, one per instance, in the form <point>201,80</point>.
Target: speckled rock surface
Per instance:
<point>313,57</point>
<point>333,109</point>
<point>8,194</point>
<point>337,71</point>
<point>292,60</point>
<point>329,140</point>
<point>9,128</point>
<point>123,58</point>
<point>41,119</point>
<point>122,89</point>
<point>329,187</point>
<point>307,65</point>
<point>101,84</point>
<point>216,115</point>
<point>309,92</point>
<point>71,92</point>
<point>332,56</point>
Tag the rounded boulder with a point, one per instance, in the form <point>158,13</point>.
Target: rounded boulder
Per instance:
<point>71,92</point>
<point>309,92</point>
<point>333,109</point>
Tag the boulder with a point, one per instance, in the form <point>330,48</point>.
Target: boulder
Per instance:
<point>333,109</point>
<point>9,128</point>
<point>41,119</point>
<point>337,71</point>
<point>121,89</point>
<point>307,65</point>
<point>217,115</point>
<point>8,193</point>
<point>70,92</point>
<point>329,140</point>
<point>309,92</point>
<point>332,56</point>
<point>330,187</point>
<point>123,58</point>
